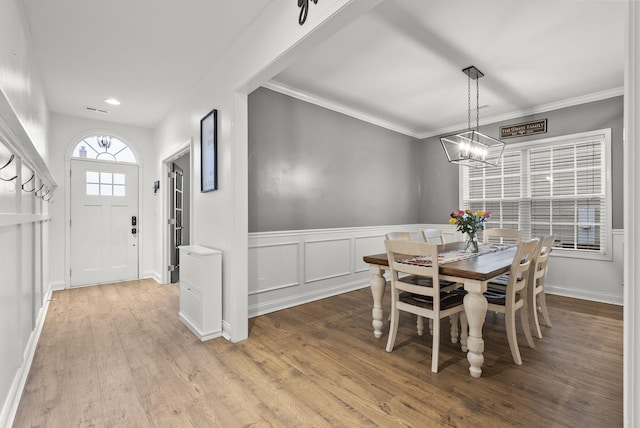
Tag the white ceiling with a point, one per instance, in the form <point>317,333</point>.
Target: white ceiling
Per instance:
<point>398,66</point>
<point>145,53</point>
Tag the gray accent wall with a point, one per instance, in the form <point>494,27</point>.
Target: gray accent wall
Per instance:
<point>439,179</point>
<point>313,168</point>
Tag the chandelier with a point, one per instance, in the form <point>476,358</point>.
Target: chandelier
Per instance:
<point>104,142</point>
<point>471,147</point>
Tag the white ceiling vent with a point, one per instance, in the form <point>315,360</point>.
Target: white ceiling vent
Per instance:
<point>97,110</point>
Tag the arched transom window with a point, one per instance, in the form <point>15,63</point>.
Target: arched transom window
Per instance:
<point>104,147</point>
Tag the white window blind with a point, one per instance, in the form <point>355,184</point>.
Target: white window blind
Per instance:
<point>556,187</point>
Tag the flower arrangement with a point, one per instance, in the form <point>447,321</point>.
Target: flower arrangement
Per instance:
<point>470,223</point>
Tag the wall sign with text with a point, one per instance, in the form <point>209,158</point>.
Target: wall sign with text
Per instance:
<point>523,129</point>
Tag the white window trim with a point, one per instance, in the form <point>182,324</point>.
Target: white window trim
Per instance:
<point>605,134</point>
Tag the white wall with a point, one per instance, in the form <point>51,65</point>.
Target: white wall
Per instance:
<point>23,218</point>
<point>20,81</point>
<point>66,132</point>
<point>220,218</point>
<point>631,209</point>
<point>598,280</point>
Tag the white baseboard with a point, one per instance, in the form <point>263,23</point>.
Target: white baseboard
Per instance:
<point>12,402</point>
<point>152,274</point>
<point>299,299</point>
<point>584,295</point>
<point>195,330</point>
<point>57,285</point>
<point>226,330</point>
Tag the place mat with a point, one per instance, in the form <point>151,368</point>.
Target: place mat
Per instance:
<point>455,255</point>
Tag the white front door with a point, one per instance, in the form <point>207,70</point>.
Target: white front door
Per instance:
<point>104,222</point>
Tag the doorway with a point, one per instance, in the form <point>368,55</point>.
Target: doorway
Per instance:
<point>179,211</point>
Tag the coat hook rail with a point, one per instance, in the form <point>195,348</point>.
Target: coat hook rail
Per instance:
<point>6,165</point>
<point>27,182</point>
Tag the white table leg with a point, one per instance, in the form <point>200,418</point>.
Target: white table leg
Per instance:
<point>475,308</point>
<point>377,290</point>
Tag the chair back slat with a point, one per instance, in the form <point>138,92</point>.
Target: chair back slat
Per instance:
<point>542,259</point>
<point>433,236</point>
<point>503,236</point>
<point>522,263</point>
<point>395,236</point>
<point>399,251</point>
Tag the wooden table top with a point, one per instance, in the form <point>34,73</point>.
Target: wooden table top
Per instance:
<point>482,267</point>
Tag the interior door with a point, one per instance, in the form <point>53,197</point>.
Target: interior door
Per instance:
<point>176,221</point>
<point>104,222</point>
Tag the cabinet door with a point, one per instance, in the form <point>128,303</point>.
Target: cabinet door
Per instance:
<point>194,269</point>
<point>191,303</point>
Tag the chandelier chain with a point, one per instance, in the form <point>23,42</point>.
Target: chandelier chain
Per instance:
<point>469,102</point>
<point>478,104</point>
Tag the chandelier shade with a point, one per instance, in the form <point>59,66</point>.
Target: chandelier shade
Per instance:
<point>471,147</point>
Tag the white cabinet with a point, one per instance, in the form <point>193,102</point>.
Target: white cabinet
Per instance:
<point>201,290</point>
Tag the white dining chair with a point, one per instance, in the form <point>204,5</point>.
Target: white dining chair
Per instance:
<point>424,301</point>
<point>404,236</point>
<point>502,236</point>
<point>433,236</point>
<point>514,297</point>
<point>537,301</point>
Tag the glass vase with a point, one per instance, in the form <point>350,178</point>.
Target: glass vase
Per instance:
<point>472,243</point>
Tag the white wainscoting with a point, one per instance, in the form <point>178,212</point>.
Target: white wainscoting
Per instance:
<point>295,267</point>
<point>597,280</point>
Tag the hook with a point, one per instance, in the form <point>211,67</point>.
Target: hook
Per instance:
<point>36,192</point>
<point>6,165</point>
<point>42,196</point>
<point>34,184</point>
<point>49,199</point>
<point>8,162</point>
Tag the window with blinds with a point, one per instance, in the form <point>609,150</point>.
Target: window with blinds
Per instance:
<point>556,187</point>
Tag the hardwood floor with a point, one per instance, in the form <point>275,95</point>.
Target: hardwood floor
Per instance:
<point>117,356</point>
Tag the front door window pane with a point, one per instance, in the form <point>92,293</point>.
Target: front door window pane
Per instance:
<point>93,189</point>
<point>105,184</point>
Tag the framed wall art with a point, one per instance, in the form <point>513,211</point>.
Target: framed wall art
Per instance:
<point>209,152</point>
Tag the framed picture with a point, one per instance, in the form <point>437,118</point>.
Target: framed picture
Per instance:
<point>209,152</point>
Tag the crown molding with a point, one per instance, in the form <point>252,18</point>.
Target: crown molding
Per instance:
<point>518,114</point>
<point>340,108</point>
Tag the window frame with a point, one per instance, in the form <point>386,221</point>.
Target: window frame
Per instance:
<point>111,154</point>
<point>606,251</point>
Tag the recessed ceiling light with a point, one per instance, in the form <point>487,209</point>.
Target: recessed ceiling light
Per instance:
<point>112,101</point>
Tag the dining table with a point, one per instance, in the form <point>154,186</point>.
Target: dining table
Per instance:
<point>473,270</point>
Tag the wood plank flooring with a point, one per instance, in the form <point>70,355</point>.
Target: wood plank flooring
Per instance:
<point>118,356</point>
